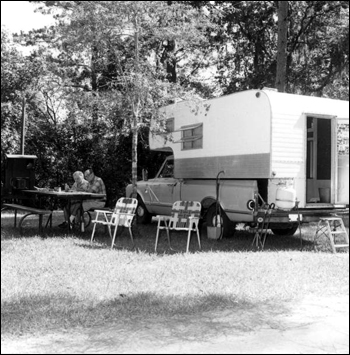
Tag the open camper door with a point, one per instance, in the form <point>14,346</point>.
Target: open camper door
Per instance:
<point>342,196</point>
<point>320,167</point>
<point>327,160</point>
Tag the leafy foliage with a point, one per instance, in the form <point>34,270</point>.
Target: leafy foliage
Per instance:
<point>246,44</point>
<point>95,79</point>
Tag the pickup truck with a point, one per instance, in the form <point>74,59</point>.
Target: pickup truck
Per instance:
<point>224,202</point>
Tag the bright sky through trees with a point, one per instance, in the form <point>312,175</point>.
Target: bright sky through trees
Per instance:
<point>20,15</point>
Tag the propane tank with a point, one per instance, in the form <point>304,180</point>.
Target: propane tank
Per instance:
<point>285,197</point>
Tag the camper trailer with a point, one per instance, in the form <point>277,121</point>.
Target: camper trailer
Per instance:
<point>253,149</point>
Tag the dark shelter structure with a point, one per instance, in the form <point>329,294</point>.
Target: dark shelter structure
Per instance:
<point>19,175</point>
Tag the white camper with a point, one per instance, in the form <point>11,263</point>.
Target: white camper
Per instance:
<point>245,151</point>
<point>274,138</point>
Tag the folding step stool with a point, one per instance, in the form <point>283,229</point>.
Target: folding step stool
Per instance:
<point>331,227</point>
<point>262,228</point>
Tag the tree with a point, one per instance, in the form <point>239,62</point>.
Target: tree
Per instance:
<point>121,39</point>
<point>281,75</point>
<point>246,44</point>
<point>318,45</point>
<point>19,75</point>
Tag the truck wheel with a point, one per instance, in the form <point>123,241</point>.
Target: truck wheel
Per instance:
<point>142,215</point>
<point>286,232</point>
<point>212,221</point>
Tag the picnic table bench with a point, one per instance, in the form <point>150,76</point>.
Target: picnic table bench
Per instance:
<point>30,211</point>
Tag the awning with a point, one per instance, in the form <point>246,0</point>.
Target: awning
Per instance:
<point>185,128</point>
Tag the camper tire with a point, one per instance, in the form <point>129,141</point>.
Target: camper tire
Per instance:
<point>142,215</point>
<point>228,227</point>
<point>286,232</point>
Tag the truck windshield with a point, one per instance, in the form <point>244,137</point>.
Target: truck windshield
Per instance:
<point>168,169</point>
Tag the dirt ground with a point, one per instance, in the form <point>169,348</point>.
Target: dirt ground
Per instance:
<point>311,326</point>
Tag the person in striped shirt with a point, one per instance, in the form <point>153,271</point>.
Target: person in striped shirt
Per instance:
<point>97,186</point>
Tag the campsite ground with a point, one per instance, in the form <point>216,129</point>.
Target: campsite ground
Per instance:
<point>288,300</point>
<point>315,325</point>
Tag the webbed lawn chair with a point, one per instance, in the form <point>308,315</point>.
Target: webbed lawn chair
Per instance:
<point>184,217</point>
<point>122,215</point>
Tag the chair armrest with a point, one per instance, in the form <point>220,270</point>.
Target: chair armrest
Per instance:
<point>104,211</point>
<point>162,217</point>
<point>193,220</point>
<point>125,214</point>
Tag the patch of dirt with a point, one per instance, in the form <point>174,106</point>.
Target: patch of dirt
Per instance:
<point>312,326</point>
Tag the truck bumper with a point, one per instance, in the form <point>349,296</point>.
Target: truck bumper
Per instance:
<point>306,215</point>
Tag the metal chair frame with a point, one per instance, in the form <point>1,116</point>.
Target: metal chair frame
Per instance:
<point>122,215</point>
<point>184,217</point>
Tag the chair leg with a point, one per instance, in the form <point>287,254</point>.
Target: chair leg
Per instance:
<point>131,236</point>
<point>158,231</point>
<point>168,235</point>
<point>157,236</point>
<point>188,240</point>
<point>109,230</point>
<point>93,232</point>
<point>114,234</point>
<point>199,239</point>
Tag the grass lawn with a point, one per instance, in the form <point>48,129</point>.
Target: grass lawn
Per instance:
<point>63,282</point>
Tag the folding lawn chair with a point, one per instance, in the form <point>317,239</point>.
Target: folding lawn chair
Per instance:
<point>122,215</point>
<point>184,217</point>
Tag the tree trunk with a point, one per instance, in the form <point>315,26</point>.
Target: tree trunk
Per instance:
<point>23,124</point>
<point>281,72</point>
<point>168,60</point>
<point>94,85</point>
<point>135,117</point>
<point>134,161</point>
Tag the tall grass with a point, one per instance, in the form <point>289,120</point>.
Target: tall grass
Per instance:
<point>62,281</point>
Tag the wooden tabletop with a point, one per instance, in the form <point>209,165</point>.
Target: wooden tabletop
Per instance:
<point>66,195</point>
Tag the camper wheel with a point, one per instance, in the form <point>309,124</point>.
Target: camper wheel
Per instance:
<point>214,220</point>
<point>142,215</point>
<point>286,232</point>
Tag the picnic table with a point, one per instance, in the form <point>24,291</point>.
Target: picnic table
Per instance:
<point>69,196</point>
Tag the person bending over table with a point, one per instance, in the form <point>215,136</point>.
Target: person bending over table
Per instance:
<point>97,186</point>
<point>80,184</point>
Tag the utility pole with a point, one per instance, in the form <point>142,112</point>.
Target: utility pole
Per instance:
<point>23,124</point>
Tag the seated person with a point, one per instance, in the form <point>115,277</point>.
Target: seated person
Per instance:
<point>80,184</point>
<point>97,186</point>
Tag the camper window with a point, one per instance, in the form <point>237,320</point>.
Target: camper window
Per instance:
<point>192,138</point>
<point>169,125</point>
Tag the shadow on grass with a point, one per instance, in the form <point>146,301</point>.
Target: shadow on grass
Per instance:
<point>207,313</point>
<point>144,239</point>
<point>241,241</point>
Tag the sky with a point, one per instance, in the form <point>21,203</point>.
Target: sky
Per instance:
<point>20,15</point>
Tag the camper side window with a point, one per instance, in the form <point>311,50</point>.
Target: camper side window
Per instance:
<point>192,138</point>
<point>169,125</point>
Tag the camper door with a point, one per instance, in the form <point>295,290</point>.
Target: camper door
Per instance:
<point>327,160</point>
<point>319,162</point>
<point>342,195</point>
